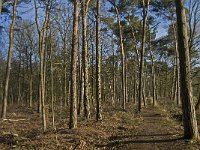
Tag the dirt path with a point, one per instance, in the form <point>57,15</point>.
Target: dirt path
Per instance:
<point>156,131</point>
<point>151,129</point>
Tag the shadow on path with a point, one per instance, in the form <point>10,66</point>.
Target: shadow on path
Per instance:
<point>118,142</point>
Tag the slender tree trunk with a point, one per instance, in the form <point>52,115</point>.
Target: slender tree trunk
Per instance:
<point>73,98</point>
<point>122,60</point>
<point>98,65</point>
<point>52,86</point>
<point>189,114</point>
<point>19,82</point>
<point>177,67</point>
<point>81,83</point>
<point>31,82</point>
<point>65,72</point>
<point>145,13</point>
<point>173,91</point>
<point>7,77</point>
<point>153,74</point>
<point>85,60</point>
<point>113,73</point>
<point>92,88</point>
<point>81,95</point>
<point>42,35</point>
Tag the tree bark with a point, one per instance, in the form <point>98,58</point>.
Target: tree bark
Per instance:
<point>145,12</point>
<point>153,74</point>
<point>52,86</point>
<point>113,73</point>
<point>189,114</point>
<point>42,35</point>
<point>177,67</point>
<point>98,64</point>
<point>85,59</point>
<point>31,82</point>
<point>73,98</point>
<point>122,59</point>
<point>8,67</point>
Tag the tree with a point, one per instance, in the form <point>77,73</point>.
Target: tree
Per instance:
<point>73,99</point>
<point>9,59</point>
<point>145,4</point>
<point>123,74</point>
<point>98,64</point>
<point>42,35</point>
<point>189,115</point>
<point>85,57</point>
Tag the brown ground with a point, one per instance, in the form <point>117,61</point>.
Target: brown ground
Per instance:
<point>151,129</point>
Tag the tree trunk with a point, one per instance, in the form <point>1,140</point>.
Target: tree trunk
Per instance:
<point>92,88</point>
<point>113,73</point>
<point>8,67</point>
<point>31,82</point>
<point>85,59</point>
<point>52,85</point>
<point>81,95</point>
<point>189,115</point>
<point>153,74</point>
<point>42,35</point>
<point>19,82</point>
<point>98,64</point>
<point>145,12</point>
<point>177,67</point>
<point>73,98</point>
<point>122,60</point>
<point>65,73</point>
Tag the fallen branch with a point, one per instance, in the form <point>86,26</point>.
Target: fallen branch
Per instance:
<point>15,120</point>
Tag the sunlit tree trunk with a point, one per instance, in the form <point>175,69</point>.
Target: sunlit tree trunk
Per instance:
<point>73,98</point>
<point>122,61</point>
<point>177,93</point>
<point>98,65</point>
<point>189,114</point>
<point>85,58</point>
<point>153,74</point>
<point>141,70</point>
<point>9,59</point>
<point>42,35</point>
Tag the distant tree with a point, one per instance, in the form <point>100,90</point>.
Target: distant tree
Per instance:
<point>121,44</point>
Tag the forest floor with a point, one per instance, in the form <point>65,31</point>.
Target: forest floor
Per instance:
<point>153,128</point>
